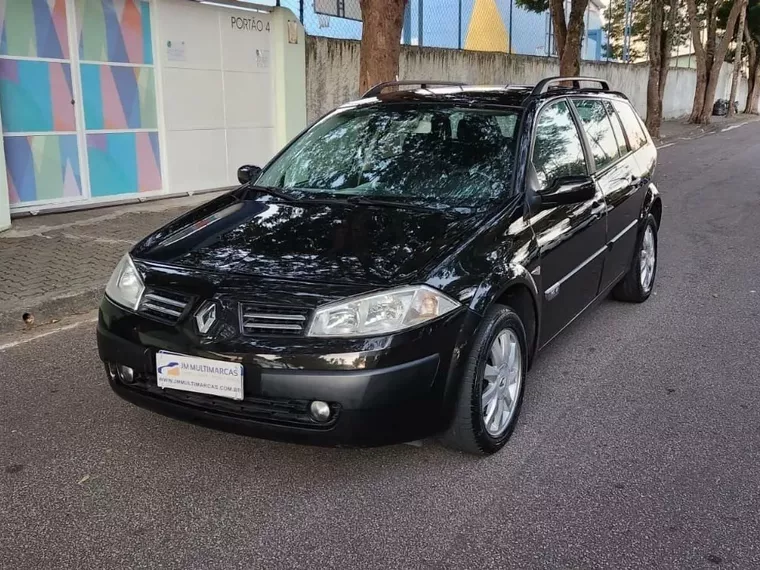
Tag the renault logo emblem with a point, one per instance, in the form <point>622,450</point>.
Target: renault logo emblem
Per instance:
<point>206,317</point>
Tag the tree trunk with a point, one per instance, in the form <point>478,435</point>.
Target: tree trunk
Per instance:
<point>711,10</point>
<point>568,36</point>
<point>719,56</point>
<point>737,58</point>
<point>570,61</point>
<point>753,94</point>
<point>754,68</point>
<point>381,41</point>
<point>701,60</point>
<point>654,102</point>
<point>557,11</point>
<point>667,47</point>
<point>753,87</point>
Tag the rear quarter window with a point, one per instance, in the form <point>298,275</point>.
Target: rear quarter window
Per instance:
<point>632,125</point>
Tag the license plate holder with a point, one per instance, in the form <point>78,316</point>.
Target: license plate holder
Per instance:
<point>200,375</point>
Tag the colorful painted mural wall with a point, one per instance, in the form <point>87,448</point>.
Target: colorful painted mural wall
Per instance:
<point>77,90</point>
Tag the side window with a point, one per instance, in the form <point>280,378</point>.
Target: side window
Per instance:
<point>631,124</point>
<point>598,128</point>
<point>557,150</point>
<point>617,128</point>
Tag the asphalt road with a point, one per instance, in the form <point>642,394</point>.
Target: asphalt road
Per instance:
<point>638,446</point>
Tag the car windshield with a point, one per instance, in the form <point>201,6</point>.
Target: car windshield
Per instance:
<point>438,156</point>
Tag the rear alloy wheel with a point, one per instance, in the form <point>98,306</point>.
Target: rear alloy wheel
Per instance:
<point>647,259</point>
<point>492,388</point>
<point>637,284</point>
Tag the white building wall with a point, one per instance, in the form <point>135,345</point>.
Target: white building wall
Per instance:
<point>217,95</point>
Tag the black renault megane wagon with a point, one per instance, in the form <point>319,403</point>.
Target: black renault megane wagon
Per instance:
<point>391,274</point>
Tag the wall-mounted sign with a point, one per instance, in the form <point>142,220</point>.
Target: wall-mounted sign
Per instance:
<point>175,51</point>
<point>292,32</point>
<point>249,24</point>
<point>262,58</point>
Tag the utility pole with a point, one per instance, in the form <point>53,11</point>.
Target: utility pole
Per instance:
<point>626,31</point>
<point>460,24</point>
<point>420,22</point>
<point>737,57</point>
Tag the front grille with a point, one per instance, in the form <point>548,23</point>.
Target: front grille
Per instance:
<point>289,321</point>
<point>166,306</point>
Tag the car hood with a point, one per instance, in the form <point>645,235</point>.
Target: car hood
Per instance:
<point>309,241</point>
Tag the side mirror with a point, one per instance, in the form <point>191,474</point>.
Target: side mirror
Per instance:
<point>248,173</point>
<point>567,190</point>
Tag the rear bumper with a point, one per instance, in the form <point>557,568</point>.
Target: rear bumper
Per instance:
<point>371,406</point>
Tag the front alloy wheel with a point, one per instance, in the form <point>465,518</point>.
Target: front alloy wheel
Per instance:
<point>492,387</point>
<point>502,379</point>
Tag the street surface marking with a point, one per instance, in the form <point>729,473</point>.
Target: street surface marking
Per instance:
<point>665,146</point>
<point>46,333</point>
<point>733,127</point>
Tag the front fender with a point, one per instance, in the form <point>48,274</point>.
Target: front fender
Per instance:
<point>488,293</point>
<point>501,284</point>
<point>497,284</point>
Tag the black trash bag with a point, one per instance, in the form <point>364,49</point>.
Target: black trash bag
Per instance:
<point>720,108</point>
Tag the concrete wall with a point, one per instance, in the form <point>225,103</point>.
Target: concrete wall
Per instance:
<point>332,74</point>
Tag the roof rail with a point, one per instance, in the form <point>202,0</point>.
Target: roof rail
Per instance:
<point>377,89</point>
<point>543,85</point>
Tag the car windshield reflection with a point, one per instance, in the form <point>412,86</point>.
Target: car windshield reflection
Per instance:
<point>438,156</point>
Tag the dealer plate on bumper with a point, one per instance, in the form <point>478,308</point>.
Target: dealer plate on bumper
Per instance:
<point>202,375</point>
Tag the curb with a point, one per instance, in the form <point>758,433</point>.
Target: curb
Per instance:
<point>48,311</point>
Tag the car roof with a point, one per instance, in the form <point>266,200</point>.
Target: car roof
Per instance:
<point>485,95</point>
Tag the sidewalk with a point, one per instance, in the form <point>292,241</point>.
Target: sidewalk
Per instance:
<point>680,129</point>
<point>58,264</point>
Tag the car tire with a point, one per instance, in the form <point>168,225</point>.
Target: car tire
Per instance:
<point>469,430</point>
<point>638,283</point>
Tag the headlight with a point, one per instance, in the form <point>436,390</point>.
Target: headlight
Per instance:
<point>380,313</point>
<point>125,287</point>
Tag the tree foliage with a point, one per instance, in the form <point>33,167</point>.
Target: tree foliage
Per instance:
<point>568,30</point>
<point>640,26</point>
<point>752,22</point>
<point>538,6</point>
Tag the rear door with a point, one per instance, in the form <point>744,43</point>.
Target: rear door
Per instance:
<point>624,201</point>
<point>571,237</point>
<point>617,174</point>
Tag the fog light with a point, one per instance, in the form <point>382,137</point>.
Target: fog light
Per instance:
<point>320,411</point>
<point>126,374</point>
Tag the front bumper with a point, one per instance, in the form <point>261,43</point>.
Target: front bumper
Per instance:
<point>397,389</point>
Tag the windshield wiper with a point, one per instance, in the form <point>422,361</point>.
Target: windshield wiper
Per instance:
<point>272,191</point>
<point>360,200</point>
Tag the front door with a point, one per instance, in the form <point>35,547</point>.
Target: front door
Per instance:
<point>571,237</point>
